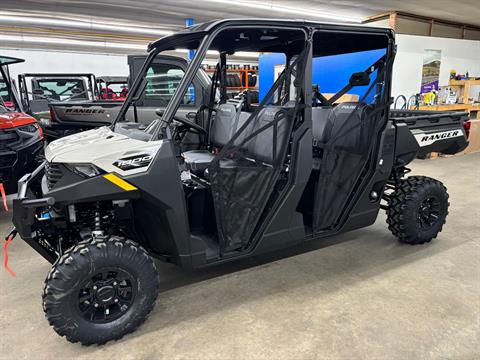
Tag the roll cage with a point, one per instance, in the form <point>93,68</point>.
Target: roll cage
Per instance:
<point>200,37</point>
<point>35,105</point>
<point>301,42</point>
<point>5,61</point>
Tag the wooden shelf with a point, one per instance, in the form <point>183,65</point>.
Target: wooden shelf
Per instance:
<point>453,82</point>
<point>462,87</point>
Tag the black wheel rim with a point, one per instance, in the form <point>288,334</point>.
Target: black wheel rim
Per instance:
<point>107,295</point>
<point>428,213</point>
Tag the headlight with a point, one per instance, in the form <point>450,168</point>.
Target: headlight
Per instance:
<point>85,170</point>
<point>31,128</point>
<point>45,121</point>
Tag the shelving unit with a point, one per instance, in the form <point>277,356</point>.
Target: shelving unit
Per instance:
<point>242,74</point>
<point>463,88</point>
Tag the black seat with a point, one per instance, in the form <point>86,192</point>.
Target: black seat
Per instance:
<point>265,147</point>
<point>320,117</point>
<point>225,125</point>
<point>268,145</point>
<point>345,146</point>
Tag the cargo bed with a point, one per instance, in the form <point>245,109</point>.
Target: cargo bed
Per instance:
<point>434,131</point>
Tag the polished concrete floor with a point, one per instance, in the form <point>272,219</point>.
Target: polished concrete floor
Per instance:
<point>361,295</point>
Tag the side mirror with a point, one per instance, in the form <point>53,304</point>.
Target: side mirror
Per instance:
<point>38,92</point>
<point>77,91</point>
<point>359,79</point>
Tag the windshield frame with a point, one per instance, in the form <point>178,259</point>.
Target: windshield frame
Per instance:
<point>200,54</point>
<point>206,33</point>
<point>164,44</point>
<point>5,74</point>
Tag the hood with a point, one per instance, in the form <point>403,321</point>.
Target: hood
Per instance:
<point>13,119</point>
<point>101,147</point>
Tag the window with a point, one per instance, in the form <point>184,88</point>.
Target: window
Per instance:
<point>62,89</point>
<point>162,82</point>
<point>339,56</point>
<point>4,91</point>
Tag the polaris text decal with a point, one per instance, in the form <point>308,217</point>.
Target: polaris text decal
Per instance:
<point>133,162</point>
<point>428,139</point>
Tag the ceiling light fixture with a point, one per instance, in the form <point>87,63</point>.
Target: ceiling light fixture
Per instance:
<point>79,24</point>
<point>269,6</point>
<point>70,42</point>
<point>101,44</point>
<point>243,54</point>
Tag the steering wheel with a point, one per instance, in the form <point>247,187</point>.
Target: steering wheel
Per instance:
<point>190,124</point>
<point>187,123</point>
<point>71,97</point>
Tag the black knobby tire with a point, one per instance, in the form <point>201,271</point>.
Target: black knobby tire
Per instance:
<point>417,210</point>
<point>68,295</point>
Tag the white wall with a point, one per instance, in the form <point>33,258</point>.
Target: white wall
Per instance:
<point>459,55</point>
<point>54,61</point>
<point>37,61</point>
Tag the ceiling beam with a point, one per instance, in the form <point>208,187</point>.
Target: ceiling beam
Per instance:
<point>403,14</point>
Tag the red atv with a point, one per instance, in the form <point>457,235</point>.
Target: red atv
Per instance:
<point>21,138</point>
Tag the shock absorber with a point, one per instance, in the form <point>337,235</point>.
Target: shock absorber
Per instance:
<point>97,227</point>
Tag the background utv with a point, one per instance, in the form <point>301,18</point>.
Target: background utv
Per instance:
<point>21,138</point>
<point>294,168</point>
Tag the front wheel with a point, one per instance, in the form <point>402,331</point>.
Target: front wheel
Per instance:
<point>100,290</point>
<point>417,209</point>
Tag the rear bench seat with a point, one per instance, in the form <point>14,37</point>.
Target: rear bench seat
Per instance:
<point>341,119</point>
<point>320,116</point>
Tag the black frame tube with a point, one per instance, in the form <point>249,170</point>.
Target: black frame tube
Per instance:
<point>8,83</point>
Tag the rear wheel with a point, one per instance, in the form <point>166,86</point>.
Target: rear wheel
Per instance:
<point>100,290</point>
<point>417,209</point>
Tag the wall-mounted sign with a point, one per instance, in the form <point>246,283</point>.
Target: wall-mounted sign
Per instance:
<point>431,70</point>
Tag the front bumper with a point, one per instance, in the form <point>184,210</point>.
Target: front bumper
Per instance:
<point>15,163</point>
<point>37,212</point>
<point>24,213</point>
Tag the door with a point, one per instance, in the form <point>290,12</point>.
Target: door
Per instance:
<point>349,111</point>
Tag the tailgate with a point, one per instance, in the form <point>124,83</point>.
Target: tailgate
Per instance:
<point>435,131</point>
<point>91,114</point>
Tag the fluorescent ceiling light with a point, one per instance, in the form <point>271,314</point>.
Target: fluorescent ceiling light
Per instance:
<point>270,6</point>
<point>101,44</point>
<point>71,42</point>
<point>244,54</point>
<point>247,54</point>
<point>79,24</point>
